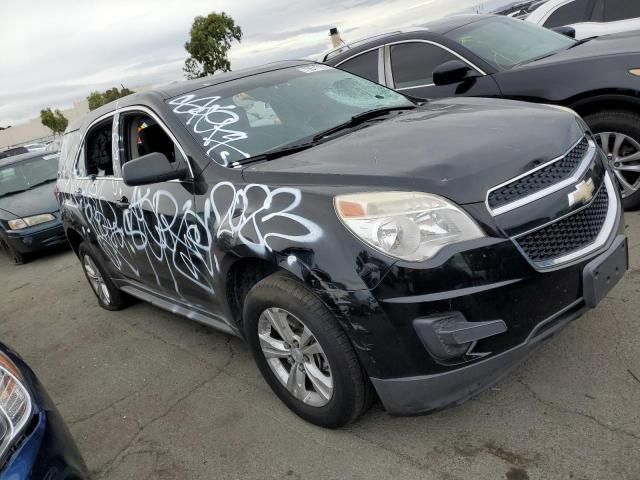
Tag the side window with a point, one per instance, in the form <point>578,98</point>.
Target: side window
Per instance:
<point>413,63</point>
<point>573,12</point>
<point>365,65</point>
<point>615,10</point>
<point>97,148</point>
<point>142,135</point>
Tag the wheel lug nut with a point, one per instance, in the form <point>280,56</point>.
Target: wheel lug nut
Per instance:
<point>300,367</point>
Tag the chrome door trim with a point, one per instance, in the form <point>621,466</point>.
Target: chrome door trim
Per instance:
<point>430,42</point>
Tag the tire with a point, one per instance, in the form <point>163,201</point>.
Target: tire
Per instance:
<point>109,296</point>
<point>16,257</point>
<point>351,391</point>
<point>605,122</point>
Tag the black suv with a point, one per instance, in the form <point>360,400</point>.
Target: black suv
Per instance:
<point>353,238</point>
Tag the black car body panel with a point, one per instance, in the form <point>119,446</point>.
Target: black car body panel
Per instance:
<point>435,158</point>
<point>586,71</point>
<point>195,245</point>
<point>47,449</point>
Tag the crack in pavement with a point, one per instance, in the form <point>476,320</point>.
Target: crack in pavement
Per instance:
<point>594,419</point>
<point>122,453</point>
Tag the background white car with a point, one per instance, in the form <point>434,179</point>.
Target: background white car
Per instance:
<point>589,18</point>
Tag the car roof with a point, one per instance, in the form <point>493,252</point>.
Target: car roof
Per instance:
<point>23,156</point>
<point>437,27</point>
<point>181,88</point>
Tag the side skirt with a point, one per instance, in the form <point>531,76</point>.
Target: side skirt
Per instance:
<point>178,308</point>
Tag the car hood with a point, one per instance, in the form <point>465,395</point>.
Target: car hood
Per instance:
<point>619,44</point>
<point>32,202</point>
<point>457,148</point>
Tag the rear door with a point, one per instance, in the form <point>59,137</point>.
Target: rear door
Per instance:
<point>409,67</point>
<point>99,190</point>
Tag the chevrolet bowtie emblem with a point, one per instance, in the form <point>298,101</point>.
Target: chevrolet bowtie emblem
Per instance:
<point>583,194</point>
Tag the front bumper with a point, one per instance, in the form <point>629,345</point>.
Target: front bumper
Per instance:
<point>421,394</point>
<point>454,384</point>
<point>37,238</point>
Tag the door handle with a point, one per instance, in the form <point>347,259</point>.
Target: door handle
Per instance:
<point>123,202</point>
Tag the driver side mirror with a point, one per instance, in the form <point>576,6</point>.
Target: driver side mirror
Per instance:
<point>152,168</point>
<point>566,31</point>
<point>453,71</point>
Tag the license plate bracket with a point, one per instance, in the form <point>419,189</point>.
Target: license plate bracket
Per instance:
<point>603,273</point>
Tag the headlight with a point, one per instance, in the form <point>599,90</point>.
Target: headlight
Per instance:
<point>635,71</point>
<point>410,226</point>
<point>15,404</point>
<point>21,223</point>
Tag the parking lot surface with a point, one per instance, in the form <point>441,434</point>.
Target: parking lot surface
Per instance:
<point>149,395</point>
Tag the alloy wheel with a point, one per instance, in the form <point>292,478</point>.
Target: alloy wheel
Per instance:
<point>295,356</point>
<point>623,153</point>
<point>95,279</point>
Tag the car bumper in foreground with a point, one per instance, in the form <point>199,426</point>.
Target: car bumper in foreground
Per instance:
<point>425,393</point>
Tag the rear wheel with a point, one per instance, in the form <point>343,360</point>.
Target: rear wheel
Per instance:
<point>109,296</point>
<point>618,134</point>
<point>303,354</point>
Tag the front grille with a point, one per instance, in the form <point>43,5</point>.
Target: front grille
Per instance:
<point>569,234</point>
<point>540,179</point>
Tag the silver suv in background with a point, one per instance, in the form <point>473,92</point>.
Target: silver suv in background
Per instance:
<point>589,18</point>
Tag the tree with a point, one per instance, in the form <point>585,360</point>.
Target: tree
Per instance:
<point>54,121</point>
<point>211,38</point>
<point>97,99</point>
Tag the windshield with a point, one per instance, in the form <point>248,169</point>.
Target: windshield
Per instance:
<point>28,174</point>
<point>506,42</point>
<point>251,116</point>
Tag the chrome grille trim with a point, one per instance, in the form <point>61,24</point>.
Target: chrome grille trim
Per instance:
<point>584,165</point>
<point>599,242</point>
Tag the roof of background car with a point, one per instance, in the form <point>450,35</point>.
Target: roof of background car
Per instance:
<point>435,27</point>
<point>23,156</point>
<point>180,88</point>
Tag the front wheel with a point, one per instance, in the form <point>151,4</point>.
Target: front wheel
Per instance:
<point>618,134</point>
<point>303,354</point>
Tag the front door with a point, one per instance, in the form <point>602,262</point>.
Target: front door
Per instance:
<point>159,221</point>
<point>409,67</point>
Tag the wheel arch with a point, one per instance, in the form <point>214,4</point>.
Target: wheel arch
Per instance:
<point>592,102</point>
<point>74,239</point>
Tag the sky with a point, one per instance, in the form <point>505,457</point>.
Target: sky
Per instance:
<point>55,52</point>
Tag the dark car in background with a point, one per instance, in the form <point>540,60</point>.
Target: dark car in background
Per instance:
<point>350,236</point>
<point>34,441</point>
<point>500,57</point>
<point>29,216</point>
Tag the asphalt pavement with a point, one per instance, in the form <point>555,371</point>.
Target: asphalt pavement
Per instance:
<point>149,395</point>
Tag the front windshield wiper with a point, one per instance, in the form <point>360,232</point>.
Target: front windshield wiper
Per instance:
<point>361,118</point>
<point>317,138</point>
<point>13,192</point>
<point>276,153</point>
<point>48,180</point>
<point>581,42</point>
